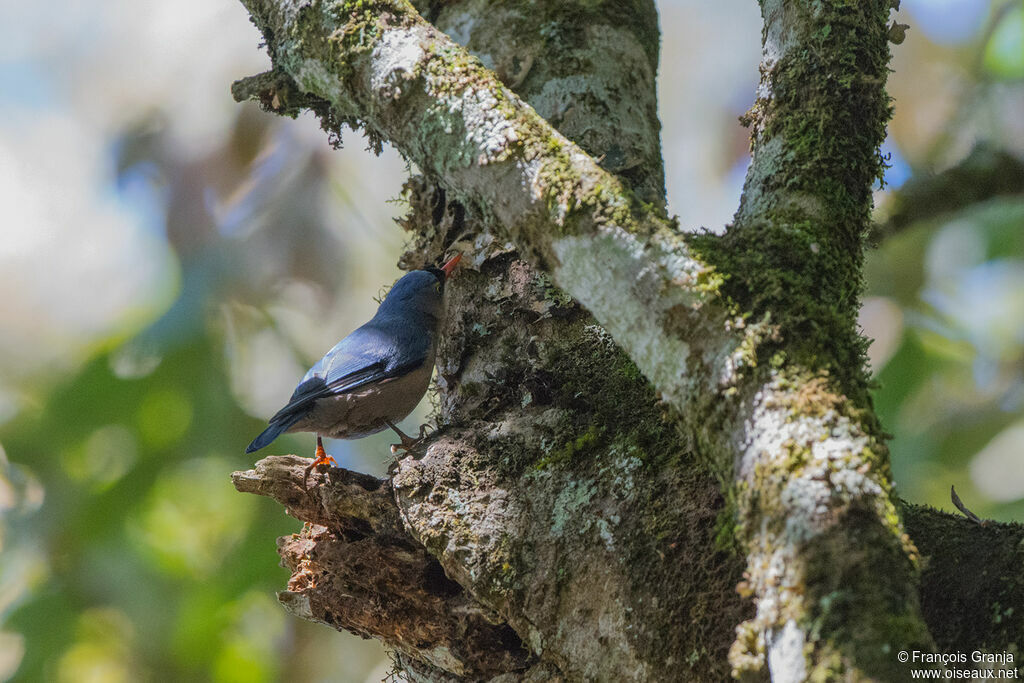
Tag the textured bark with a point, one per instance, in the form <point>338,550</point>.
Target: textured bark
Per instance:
<point>599,483</point>
<point>354,567</point>
<point>972,584</point>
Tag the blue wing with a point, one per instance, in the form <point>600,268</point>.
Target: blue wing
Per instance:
<point>379,350</point>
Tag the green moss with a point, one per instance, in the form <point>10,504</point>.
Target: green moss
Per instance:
<point>865,612</point>
<point>604,401</point>
<point>972,587</point>
<point>797,284</point>
<point>829,104</point>
<point>549,292</point>
<point>570,449</point>
<point>685,539</point>
<point>726,537</point>
<point>796,259</point>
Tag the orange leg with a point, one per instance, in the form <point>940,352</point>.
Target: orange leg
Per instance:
<point>321,458</point>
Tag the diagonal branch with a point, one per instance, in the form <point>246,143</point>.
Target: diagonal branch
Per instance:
<point>765,374</point>
<point>410,84</point>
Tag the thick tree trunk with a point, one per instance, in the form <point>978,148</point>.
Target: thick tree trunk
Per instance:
<point>605,477</point>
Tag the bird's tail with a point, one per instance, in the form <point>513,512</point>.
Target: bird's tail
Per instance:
<point>272,432</point>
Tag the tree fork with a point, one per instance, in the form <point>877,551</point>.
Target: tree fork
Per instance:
<point>782,419</point>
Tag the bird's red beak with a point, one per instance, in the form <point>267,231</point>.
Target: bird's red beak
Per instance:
<point>450,266</point>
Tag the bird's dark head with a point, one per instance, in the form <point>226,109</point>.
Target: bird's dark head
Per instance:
<point>419,292</point>
<point>445,271</point>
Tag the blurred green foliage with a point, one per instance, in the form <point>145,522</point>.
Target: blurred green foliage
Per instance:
<point>955,379</point>
<point>1004,56</point>
<point>127,553</point>
<point>154,559</point>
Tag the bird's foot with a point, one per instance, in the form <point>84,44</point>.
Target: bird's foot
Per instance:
<point>408,443</point>
<point>321,458</point>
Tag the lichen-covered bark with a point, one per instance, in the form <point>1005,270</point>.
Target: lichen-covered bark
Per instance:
<point>587,68</point>
<point>558,466</point>
<point>832,570</point>
<point>561,494</point>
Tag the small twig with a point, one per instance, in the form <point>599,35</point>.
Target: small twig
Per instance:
<point>276,92</point>
<point>963,508</point>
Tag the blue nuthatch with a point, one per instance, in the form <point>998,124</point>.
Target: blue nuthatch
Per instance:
<point>374,377</point>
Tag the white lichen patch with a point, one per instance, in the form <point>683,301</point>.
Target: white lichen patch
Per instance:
<point>604,530</point>
<point>396,58</point>
<point>530,172</point>
<point>771,577</point>
<point>632,309</point>
<point>786,660</point>
<point>830,474</point>
<point>535,639</point>
<point>805,464</point>
<point>539,176</point>
<point>313,76</point>
<point>626,467</point>
<point>747,651</point>
<point>489,129</point>
<point>571,500</point>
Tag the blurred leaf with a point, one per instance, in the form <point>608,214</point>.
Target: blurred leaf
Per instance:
<point>164,417</point>
<point>12,649</point>
<point>193,518</point>
<point>102,652</point>
<point>256,627</point>
<point>103,458</point>
<point>1004,53</point>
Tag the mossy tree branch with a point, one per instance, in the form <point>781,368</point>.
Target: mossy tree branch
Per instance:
<point>750,338</point>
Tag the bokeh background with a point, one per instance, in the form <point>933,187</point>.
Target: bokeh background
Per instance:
<point>171,262</point>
